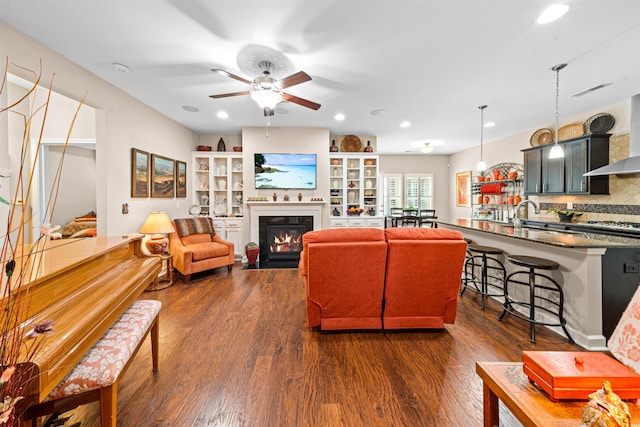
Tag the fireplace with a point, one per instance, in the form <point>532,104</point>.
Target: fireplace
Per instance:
<point>280,239</point>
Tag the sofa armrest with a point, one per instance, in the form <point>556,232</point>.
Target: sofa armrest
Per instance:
<point>182,255</point>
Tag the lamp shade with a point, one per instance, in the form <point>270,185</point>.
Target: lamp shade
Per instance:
<point>157,223</point>
<point>266,98</point>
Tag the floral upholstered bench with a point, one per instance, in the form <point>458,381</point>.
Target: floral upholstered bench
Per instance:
<point>97,374</point>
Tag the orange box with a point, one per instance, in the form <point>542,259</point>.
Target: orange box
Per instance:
<point>561,377</point>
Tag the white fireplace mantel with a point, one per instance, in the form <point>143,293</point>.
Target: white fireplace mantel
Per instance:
<point>293,208</point>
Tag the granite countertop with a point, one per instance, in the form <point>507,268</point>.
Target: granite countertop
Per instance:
<point>565,238</point>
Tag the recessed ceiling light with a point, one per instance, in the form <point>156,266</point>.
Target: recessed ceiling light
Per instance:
<point>489,124</point>
<point>190,108</point>
<point>120,67</point>
<point>222,115</point>
<point>405,124</point>
<point>378,112</point>
<point>339,117</point>
<point>552,13</point>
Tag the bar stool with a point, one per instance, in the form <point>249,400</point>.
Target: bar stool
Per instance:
<point>478,257</point>
<point>554,306</point>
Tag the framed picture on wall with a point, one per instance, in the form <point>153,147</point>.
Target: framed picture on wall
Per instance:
<point>181,179</point>
<point>162,176</point>
<point>463,188</point>
<point>139,173</point>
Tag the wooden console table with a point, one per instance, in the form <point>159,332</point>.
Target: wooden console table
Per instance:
<point>529,404</point>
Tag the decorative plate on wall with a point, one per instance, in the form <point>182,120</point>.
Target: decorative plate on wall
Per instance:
<point>600,123</point>
<point>541,137</point>
<point>351,144</point>
<point>572,130</point>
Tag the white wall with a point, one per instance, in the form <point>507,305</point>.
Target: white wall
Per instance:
<point>122,122</point>
<point>508,149</point>
<point>421,163</point>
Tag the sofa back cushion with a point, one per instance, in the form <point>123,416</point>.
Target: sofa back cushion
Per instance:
<point>424,266</point>
<point>421,234</point>
<point>337,235</point>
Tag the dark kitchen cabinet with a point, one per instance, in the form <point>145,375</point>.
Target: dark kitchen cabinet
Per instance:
<point>543,175</point>
<point>581,156</point>
<point>552,172</point>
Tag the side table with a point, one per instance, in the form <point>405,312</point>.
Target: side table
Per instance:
<point>165,278</point>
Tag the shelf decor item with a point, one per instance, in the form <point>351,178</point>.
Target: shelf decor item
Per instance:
<point>541,137</point>
<point>333,148</point>
<point>221,145</point>
<point>368,148</point>
<point>351,144</point>
<point>600,123</point>
<point>355,211</point>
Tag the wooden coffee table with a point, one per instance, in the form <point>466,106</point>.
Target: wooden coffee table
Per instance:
<point>529,404</point>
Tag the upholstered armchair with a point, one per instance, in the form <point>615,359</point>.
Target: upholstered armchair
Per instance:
<point>196,247</point>
<point>424,266</point>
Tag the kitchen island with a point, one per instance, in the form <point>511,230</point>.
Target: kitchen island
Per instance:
<point>598,273</point>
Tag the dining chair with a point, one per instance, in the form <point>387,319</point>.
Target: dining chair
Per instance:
<point>409,216</point>
<point>395,214</point>
<point>427,216</point>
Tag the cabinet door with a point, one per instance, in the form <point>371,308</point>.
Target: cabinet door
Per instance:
<point>532,172</point>
<point>552,172</point>
<point>576,161</point>
<point>234,235</point>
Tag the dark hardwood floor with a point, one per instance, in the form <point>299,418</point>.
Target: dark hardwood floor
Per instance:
<point>235,351</point>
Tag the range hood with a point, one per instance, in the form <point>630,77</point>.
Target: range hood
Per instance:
<point>632,164</point>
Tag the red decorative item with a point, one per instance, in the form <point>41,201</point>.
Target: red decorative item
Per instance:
<point>496,174</point>
<point>560,374</point>
<point>492,188</point>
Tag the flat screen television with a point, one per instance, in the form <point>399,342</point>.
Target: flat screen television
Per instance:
<point>285,171</point>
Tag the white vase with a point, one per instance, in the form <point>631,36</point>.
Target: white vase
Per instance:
<point>223,170</point>
<point>222,184</point>
<point>351,197</point>
<point>335,184</point>
<point>368,184</point>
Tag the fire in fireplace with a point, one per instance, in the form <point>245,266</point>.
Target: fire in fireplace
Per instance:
<point>280,239</point>
<point>285,240</point>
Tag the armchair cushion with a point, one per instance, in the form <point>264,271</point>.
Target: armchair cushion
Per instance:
<point>208,250</point>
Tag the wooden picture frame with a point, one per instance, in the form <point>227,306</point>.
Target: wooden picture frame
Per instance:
<point>162,176</point>
<point>181,179</point>
<point>139,173</point>
<point>463,189</point>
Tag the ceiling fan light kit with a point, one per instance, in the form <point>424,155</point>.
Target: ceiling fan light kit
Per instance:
<point>267,91</point>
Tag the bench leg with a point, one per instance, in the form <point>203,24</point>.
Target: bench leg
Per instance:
<point>155,342</point>
<point>229,267</point>
<point>108,405</point>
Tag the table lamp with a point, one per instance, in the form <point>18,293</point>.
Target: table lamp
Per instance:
<point>157,224</point>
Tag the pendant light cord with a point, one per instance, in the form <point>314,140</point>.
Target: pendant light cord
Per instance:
<point>557,69</point>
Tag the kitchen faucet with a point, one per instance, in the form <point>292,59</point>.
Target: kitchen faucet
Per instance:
<point>517,223</point>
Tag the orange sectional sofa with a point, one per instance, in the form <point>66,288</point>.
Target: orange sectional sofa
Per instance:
<point>366,278</point>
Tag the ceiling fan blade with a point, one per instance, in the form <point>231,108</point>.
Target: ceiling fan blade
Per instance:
<point>300,101</point>
<point>226,95</point>
<point>233,76</point>
<point>268,111</point>
<point>293,79</point>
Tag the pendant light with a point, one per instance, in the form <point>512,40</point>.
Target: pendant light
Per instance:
<point>481,164</point>
<point>556,151</point>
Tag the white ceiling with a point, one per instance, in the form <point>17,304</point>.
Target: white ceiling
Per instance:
<point>430,62</point>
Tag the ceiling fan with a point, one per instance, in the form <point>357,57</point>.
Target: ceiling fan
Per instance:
<point>267,91</point>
